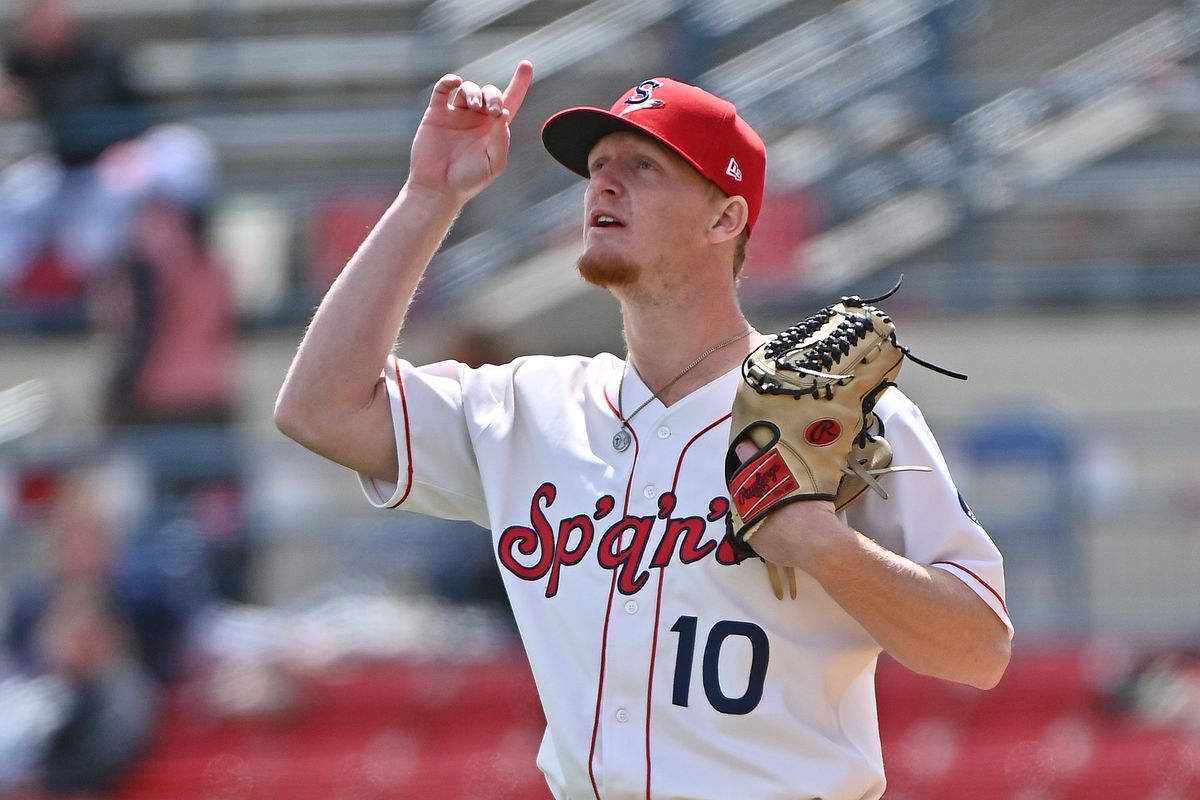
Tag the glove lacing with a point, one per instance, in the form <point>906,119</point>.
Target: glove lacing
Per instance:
<point>870,476</point>
<point>871,428</point>
<point>819,358</point>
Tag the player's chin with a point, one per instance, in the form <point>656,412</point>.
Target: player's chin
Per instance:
<point>606,269</point>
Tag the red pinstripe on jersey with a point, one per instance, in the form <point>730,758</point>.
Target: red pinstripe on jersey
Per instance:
<point>982,582</point>
<point>650,677</point>
<point>407,440</point>
<point>600,682</point>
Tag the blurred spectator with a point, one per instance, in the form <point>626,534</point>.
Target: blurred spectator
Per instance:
<point>82,548</point>
<point>172,394</point>
<point>112,701</point>
<point>71,209</point>
<point>171,308</point>
<point>84,641</point>
<point>76,82</point>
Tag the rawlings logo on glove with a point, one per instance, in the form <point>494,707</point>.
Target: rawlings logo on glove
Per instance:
<point>764,482</point>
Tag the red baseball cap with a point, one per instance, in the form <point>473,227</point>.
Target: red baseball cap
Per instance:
<point>703,129</point>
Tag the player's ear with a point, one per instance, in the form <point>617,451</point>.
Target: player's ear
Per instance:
<point>729,218</point>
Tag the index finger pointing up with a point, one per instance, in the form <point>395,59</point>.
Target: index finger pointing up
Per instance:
<point>514,94</point>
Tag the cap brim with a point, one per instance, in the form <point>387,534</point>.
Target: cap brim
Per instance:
<point>570,135</point>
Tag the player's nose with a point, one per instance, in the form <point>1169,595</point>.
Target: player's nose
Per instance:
<point>606,180</point>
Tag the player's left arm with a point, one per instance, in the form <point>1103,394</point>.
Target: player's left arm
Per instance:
<point>925,617</point>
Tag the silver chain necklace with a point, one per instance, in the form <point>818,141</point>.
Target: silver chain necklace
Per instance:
<point>622,438</point>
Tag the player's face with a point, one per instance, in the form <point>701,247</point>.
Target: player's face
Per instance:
<point>646,210</point>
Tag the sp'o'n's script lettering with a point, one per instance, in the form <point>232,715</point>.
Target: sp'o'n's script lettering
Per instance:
<point>619,544</point>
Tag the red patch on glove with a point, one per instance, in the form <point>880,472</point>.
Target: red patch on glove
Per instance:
<point>761,483</point>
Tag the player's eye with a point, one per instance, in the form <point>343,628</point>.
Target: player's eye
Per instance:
<point>645,163</point>
<point>595,166</point>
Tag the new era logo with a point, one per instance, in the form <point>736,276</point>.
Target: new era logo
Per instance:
<point>733,170</point>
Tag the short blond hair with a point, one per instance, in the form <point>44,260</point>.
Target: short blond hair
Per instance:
<point>739,253</point>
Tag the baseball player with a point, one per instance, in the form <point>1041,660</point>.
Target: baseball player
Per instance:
<point>666,664</point>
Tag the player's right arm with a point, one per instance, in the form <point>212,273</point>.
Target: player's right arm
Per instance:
<point>333,400</point>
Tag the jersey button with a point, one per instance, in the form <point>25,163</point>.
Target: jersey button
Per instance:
<point>631,607</point>
<point>650,492</point>
<point>622,715</point>
<point>664,432</point>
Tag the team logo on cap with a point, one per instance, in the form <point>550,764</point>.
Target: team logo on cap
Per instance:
<point>733,170</point>
<point>642,97</point>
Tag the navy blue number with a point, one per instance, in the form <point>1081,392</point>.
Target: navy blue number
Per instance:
<point>686,628</point>
<point>760,651</point>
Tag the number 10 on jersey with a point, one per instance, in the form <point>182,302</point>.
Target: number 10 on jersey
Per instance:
<point>718,635</point>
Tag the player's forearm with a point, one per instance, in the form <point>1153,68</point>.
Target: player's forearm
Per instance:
<point>923,616</point>
<point>336,367</point>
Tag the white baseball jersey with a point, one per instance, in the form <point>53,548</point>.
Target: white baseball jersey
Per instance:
<point>663,672</point>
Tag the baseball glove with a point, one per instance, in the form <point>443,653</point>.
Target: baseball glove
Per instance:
<point>803,426</point>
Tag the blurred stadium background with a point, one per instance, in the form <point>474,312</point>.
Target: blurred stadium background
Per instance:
<point>1032,168</point>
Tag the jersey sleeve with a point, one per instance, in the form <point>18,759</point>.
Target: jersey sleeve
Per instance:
<point>435,415</point>
<point>925,517</point>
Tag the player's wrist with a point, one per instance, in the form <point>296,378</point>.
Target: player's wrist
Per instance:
<point>807,535</point>
<point>433,197</point>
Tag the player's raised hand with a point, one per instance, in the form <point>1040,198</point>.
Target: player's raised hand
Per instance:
<point>462,142</point>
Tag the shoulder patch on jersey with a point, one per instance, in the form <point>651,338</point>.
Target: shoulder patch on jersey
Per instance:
<point>967,510</point>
